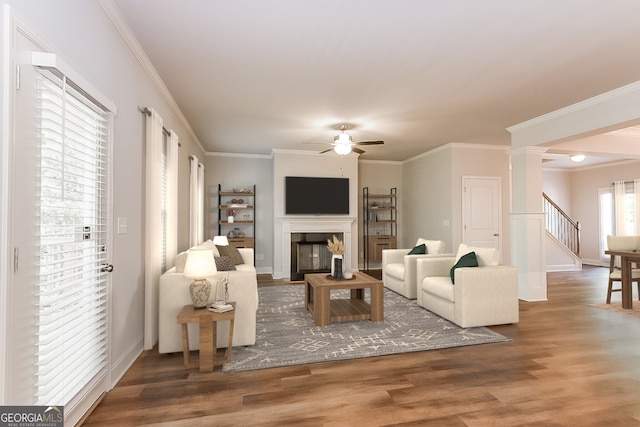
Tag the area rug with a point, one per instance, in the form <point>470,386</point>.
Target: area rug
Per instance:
<point>616,307</point>
<point>287,335</point>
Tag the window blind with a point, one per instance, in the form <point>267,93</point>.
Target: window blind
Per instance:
<point>71,240</point>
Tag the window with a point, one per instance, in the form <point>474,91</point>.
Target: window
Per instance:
<point>607,224</point>
<point>618,208</point>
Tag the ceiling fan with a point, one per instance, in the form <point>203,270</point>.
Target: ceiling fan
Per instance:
<point>343,143</point>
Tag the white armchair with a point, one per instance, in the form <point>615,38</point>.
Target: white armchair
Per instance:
<point>479,296</point>
<point>399,269</point>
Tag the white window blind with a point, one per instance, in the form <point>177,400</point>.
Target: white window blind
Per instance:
<point>72,241</point>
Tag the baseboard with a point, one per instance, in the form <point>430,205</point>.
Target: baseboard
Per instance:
<point>264,270</point>
<point>122,365</point>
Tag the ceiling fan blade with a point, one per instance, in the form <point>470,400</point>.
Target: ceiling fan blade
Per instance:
<point>326,151</point>
<point>357,150</point>
<point>370,143</point>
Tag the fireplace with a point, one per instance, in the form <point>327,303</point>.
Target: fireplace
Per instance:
<point>323,228</point>
<point>309,253</point>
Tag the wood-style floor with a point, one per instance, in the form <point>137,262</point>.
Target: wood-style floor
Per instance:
<point>567,364</point>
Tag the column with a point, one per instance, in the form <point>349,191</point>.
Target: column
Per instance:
<point>528,223</point>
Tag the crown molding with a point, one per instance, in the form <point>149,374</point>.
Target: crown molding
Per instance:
<point>238,155</point>
<point>450,145</point>
<point>136,49</point>
<point>579,106</point>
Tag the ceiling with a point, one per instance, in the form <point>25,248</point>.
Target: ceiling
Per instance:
<point>253,75</point>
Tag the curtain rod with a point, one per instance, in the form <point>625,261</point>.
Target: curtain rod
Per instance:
<point>166,131</point>
<point>624,182</point>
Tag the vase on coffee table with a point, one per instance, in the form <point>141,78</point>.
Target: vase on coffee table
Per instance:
<point>336,267</point>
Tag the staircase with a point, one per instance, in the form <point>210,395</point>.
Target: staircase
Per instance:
<point>563,238</point>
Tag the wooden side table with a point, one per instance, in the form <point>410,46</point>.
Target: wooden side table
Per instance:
<point>208,335</point>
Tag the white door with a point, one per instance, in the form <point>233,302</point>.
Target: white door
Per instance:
<point>60,239</point>
<point>481,209</point>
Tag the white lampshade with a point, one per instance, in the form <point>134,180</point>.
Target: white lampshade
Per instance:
<point>200,263</point>
<point>220,241</point>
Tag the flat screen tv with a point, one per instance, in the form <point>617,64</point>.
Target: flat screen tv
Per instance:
<point>316,196</point>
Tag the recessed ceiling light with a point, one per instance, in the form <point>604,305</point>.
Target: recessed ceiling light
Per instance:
<point>577,157</point>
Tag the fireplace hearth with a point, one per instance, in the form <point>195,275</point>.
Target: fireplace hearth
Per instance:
<point>309,253</point>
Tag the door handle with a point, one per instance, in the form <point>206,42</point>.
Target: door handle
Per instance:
<point>496,234</point>
<point>107,268</point>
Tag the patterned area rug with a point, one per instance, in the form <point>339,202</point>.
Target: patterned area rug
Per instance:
<point>616,307</point>
<point>287,335</point>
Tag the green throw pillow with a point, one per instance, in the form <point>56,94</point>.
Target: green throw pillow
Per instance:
<point>418,250</point>
<point>466,260</point>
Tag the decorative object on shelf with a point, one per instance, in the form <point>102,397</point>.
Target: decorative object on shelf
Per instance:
<point>230,215</point>
<point>199,265</point>
<point>230,235</point>
<point>336,247</point>
<point>236,232</point>
<point>242,190</point>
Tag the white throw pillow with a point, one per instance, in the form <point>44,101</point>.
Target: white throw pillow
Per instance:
<point>485,256</point>
<point>433,246</point>
<point>181,261</point>
<point>209,244</point>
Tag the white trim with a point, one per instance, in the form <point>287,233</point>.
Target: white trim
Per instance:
<point>578,106</point>
<point>450,145</point>
<point>51,60</point>
<point>238,155</point>
<point>6,126</point>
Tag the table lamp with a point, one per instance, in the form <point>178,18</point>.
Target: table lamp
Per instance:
<point>220,241</point>
<point>200,264</point>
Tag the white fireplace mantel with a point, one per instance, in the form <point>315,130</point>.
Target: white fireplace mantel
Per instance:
<point>309,224</point>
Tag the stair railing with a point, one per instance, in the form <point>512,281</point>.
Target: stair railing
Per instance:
<point>561,226</point>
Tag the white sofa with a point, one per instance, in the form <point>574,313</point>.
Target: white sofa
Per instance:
<point>481,296</point>
<point>399,269</point>
<point>174,295</point>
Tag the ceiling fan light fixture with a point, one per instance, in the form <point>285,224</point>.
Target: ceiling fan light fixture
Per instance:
<point>343,138</point>
<point>342,149</point>
<point>577,157</point>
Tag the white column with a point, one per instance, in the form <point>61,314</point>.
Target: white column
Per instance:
<point>528,223</point>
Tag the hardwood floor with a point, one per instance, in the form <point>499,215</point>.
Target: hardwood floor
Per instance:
<point>567,364</point>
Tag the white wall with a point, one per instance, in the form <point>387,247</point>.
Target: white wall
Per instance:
<point>557,185</point>
<point>305,163</point>
<point>427,197</point>
<point>433,192</point>
<point>584,190</point>
<point>380,177</point>
<point>84,36</point>
<point>233,171</point>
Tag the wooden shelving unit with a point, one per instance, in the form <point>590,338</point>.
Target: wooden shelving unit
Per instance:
<point>379,224</point>
<point>245,219</point>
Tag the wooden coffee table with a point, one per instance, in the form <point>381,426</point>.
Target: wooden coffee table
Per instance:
<point>325,310</point>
